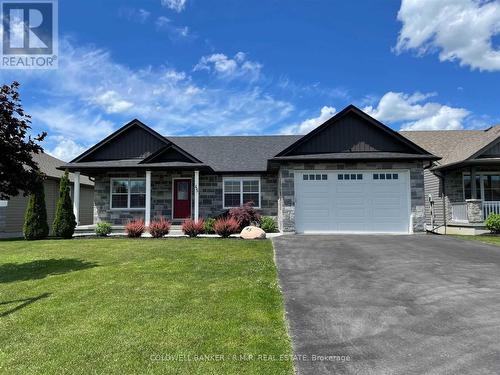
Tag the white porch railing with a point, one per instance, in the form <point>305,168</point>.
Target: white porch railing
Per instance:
<point>459,212</point>
<point>491,207</point>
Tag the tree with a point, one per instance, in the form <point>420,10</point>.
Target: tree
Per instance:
<point>64,222</point>
<point>18,170</point>
<point>35,219</point>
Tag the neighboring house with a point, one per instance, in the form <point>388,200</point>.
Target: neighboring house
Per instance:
<point>12,211</point>
<point>351,174</point>
<point>466,155</point>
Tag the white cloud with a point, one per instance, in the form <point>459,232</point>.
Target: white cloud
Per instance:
<point>163,23</point>
<point>112,102</point>
<point>309,124</point>
<point>414,114</point>
<point>64,149</point>
<point>135,15</point>
<point>90,94</point>
<point>459,29</point>
<point>176,5</point>
<point>74,122</point>
<point>230,68</point>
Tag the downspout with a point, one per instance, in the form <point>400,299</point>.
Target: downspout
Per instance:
<point>441,175</point>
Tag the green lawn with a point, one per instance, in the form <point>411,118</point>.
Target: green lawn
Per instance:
<point>122,306</point>
<point>494,240</point>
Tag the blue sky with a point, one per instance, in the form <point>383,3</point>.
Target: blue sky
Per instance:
<point>267,67</point>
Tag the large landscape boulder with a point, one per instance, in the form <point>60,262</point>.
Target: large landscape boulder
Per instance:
<point>252,233</point>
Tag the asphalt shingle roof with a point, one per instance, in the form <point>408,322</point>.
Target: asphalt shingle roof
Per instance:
<point>48,165</point>
<point>235,153</point>
<point>453,146</point>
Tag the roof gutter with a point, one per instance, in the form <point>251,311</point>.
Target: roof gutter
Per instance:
<point>465,163</point>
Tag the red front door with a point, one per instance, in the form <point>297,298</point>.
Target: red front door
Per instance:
<point>182,198</point>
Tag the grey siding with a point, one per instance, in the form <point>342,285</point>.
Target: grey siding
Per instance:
<point>286,217</point>
<point>433,186</point>
<point>12,216</point>
<point>86,205</point>
<point>351,133</point>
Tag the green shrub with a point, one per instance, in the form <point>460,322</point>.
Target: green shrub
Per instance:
<point>208,226</point>
<point>268,224</point>
<point>493,223</point>
<point>103,229</point>
<point>35,219</point>
<point>64,221</point>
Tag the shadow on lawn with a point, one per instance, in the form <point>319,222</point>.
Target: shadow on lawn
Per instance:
<point>25,302</point>
<point>39,269</point>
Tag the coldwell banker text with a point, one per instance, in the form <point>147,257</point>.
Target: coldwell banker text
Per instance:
<point>30,38</point>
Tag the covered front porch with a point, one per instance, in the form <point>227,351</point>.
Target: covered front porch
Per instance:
<point>473,193</point>
<point>121,196</point>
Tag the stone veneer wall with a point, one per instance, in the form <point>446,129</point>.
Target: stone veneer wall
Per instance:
<point>286,217</point>
<point>210,198</point>
<point>211,194</point>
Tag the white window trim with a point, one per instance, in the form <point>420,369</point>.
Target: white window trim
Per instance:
<point>241,179</point>
<point>128,194</point>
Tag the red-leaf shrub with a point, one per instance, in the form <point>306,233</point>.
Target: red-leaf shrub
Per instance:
<point>192,228</point>
<point>135,228</point>
<point>245,215</point>
<point>159,228</point>
<point>224,227</point>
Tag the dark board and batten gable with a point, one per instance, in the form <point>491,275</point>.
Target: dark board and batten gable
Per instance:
<point>352,131</point>
<point>132,141</point>
<point>170,153</point>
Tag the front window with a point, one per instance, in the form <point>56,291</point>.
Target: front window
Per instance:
<point>241,190</point>
<point>491,187</point>
<point>467,187</point>
<point>128,193</point>
<point>487,187</point>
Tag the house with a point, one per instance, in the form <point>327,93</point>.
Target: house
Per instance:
<point>350,175</point>
<point>12,211</point>
<point>463,187</point>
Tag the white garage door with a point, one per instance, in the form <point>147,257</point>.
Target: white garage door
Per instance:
<point>352,201</point>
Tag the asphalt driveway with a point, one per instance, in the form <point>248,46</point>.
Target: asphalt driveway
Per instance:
<point>391,304</point>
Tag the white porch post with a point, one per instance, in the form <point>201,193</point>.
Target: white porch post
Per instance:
<point>76,197</point>
<point>473,189</point>
<point>196,195</point>
<point>147,215</point>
